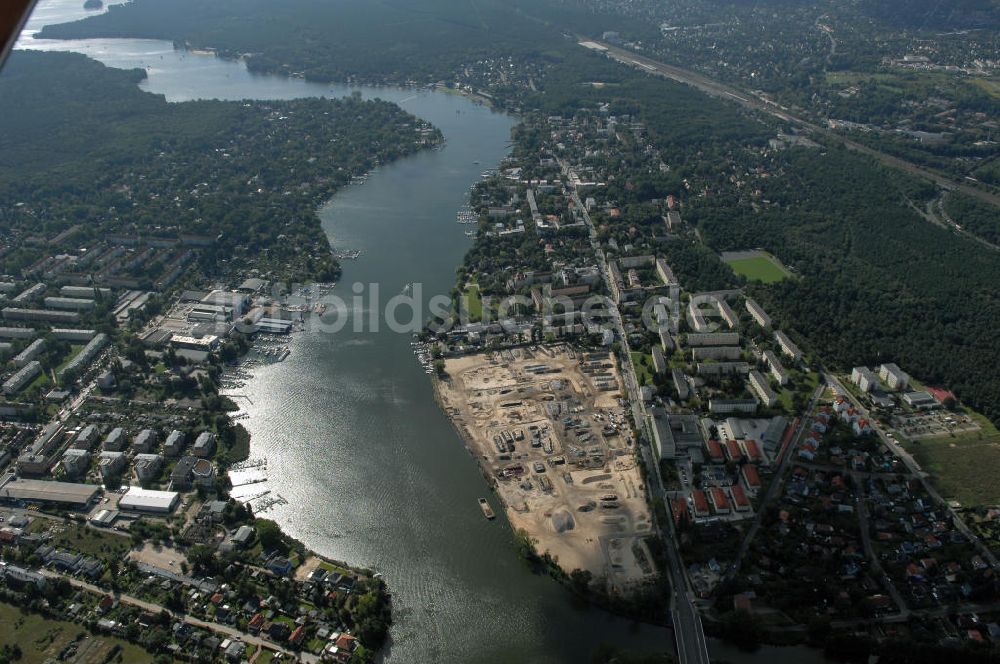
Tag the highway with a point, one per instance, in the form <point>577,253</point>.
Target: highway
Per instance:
<point>689,634</point>
<point>749,100</point>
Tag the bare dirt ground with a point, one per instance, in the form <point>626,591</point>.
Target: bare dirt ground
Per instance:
<point>547,425</point>
<point>158,556</point>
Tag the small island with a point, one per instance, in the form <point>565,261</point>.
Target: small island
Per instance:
<point>93,4</point>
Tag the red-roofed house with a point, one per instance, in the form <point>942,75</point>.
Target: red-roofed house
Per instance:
<point>700,503</point>
<point>256,623</point>
<point>719,501</point>
<point>751,479</point>
<point>752,450</point>
<point>740,498</point>
<point>733,450</point>
<point>715,451</point>
<point>297,635</point>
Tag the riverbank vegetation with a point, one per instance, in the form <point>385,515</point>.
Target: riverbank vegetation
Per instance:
<point>83,146</point>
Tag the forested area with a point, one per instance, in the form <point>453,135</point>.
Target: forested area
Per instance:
<point>878,283</point>
<point>83,145</point>
<point>973,215</point>
<point>388,41</point>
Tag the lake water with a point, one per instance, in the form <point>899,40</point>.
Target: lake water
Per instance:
<point>372,470</point>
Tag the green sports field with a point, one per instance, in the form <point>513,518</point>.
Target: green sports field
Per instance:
<point>759,268</point>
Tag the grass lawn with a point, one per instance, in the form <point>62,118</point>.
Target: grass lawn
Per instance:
<point>42,640</point>
<point>474,302</point>
<point>964,467</point>
<point>761,268</point>
<point>80,538</point>
<point>644,374</point>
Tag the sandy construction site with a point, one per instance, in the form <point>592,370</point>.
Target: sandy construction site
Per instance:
<point>547,427</point>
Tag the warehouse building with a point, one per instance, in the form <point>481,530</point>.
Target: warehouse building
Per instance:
<point>138,499</point>
<point>55,493</point>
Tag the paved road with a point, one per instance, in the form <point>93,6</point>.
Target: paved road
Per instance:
<point>692,648</point>
<point>861,506</point>
<point>717,89</point>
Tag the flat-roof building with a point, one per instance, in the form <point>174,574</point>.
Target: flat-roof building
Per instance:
<point>17,333</point>
<point>116,440</point>
<point>70,303</point>
<point>726,406</point>
<point>894,377</point>
<point>175,443</point>
<point>86,355</point>
<point>777,370</point>
<point>758,313</point>
<point>761,387</point>
<point>713,339</point>
<point>44,315</point>
<point>138,499</point>
<point>31,352</point>
<point>58,493</point>
<point>204,444</point>
<point>73,334</point>
<point>787,346</point>
<point>865,379</point>
<point>145,441</point>
<point>20,380</point>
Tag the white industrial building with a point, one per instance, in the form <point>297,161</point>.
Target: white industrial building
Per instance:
<point>146,500</point>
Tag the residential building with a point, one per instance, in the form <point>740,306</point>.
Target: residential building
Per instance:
<point>894,377</point>
<point>147,466</point>
<point>864,379</point>
<point>204,445</point>
<point>145,441</point>
<point>111,464</point>
<point>720,503</point>
<point>777,370</point>
<point>787,346</point>
<point>116,440</point>
<point>758,313</point>
<point>659,362</point>
<point>762,388</point>
<point>696,339</point>
<point>175,443</point>
<point>728,406</point>
<point>680,384</point>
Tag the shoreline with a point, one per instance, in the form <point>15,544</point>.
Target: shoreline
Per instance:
<point>596,553</point>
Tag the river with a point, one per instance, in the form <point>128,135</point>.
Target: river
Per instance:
<point>372,470</point>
